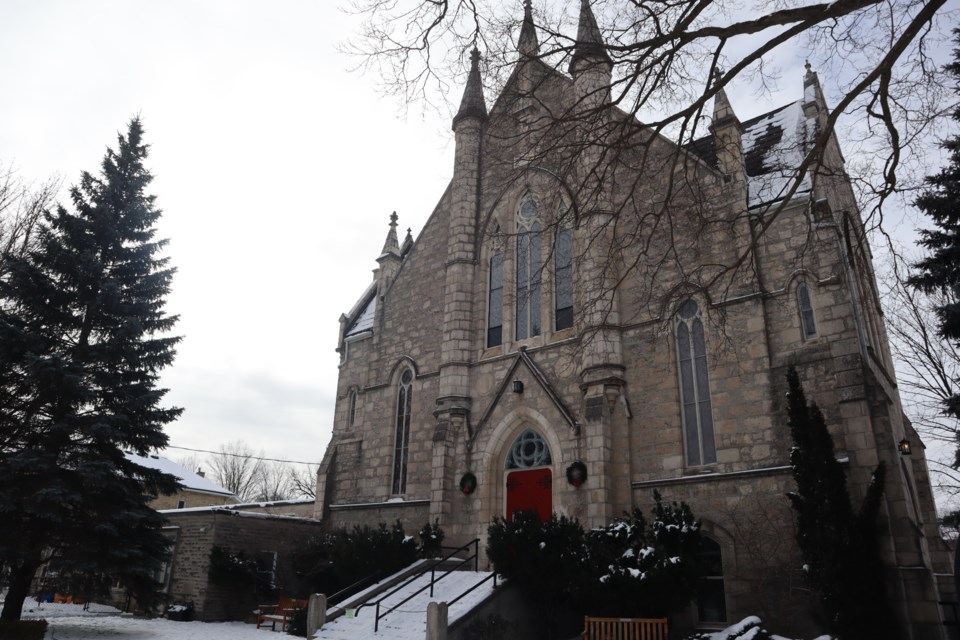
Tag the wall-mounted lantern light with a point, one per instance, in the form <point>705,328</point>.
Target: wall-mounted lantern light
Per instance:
<point>904,447</point>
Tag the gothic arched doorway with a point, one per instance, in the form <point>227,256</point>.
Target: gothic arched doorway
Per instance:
<point>529,476</point>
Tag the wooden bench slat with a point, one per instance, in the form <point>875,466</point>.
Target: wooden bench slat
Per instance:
<point>624,628</point>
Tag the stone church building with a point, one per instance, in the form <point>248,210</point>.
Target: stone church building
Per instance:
<point>587,291</point>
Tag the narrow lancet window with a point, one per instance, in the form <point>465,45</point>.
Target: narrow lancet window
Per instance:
<point>495,308</point>
<point>697,413</point>
<point>402,446</point>
<point>528,268</point>
<point>808,322</point>
<point>352,415</point>
<point>563,277</point>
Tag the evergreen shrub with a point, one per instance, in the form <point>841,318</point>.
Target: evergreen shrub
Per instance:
<point>337,559</point>
<point>628,568</point>
<point>431,539</point>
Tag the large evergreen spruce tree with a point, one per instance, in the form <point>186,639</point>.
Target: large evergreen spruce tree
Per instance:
<point>939,272</point>
<point>82,342</point>
<point>840,549</point>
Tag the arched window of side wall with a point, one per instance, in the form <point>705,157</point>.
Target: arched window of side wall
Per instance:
<point>696,410</point>
<point>528,268</point>
<point>808,321</point>
<point>402,435</point>
<point>711,597</point>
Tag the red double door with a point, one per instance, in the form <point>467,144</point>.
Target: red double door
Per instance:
<point>530,490</point>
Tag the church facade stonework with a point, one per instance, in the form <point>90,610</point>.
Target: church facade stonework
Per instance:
<point>564,307</point>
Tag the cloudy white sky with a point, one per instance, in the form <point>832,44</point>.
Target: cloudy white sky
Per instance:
<point>276,168</point>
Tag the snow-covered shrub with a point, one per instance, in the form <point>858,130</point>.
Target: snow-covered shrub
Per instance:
<point>628,568</point>
<point>750,628</point>
<point>640,569</point>
<point>182,612</point>
<point>431,538</point>
<point>545,559</point>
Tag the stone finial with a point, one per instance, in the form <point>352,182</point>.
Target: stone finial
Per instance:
<point>528,45</point>
<point>813,100</point>
<point>391,246</point>
<point>407,242</point>
<point>589,47</point>
<point>472,105</point>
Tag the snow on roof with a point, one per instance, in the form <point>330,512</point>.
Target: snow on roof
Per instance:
<point>188,479</point>
<point>243,505</point>
<point>774,145</point>
<point>364,320</point>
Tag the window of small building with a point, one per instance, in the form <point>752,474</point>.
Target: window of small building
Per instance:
<point>402,435</point>
<point>697,413</point>
<point>808,321</point>
<point>181,504</point>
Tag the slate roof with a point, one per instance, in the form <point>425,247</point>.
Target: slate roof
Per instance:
<point>774,145</point>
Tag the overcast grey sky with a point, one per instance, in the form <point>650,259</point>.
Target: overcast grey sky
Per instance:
<point>276,168</point>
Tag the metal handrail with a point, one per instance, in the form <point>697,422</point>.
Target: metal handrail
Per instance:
<point>433,579</point>
<point>474,587</point>
<point>373,577</point>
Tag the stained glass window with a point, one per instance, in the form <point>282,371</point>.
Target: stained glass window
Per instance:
<point>528,450</point>
<point>694,386</point>
<point>402,444</point>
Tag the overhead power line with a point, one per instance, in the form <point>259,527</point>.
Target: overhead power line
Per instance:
<point>240,455</point>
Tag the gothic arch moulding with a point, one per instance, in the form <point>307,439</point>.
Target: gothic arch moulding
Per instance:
<point>534,178</point>
<point>405,362</point>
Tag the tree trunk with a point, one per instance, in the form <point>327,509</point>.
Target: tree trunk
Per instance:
<point>20,579</point>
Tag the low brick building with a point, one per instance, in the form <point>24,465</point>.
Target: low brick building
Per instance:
<point>257,533</point>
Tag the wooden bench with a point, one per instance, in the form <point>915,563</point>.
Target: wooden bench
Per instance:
<point>624,628</point>
<point>281,612</point>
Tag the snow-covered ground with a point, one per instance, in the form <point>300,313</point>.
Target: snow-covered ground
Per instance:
<point>409,621</point>
<point>71,622</point>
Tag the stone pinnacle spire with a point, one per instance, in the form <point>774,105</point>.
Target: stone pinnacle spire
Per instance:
<point>472,104</point>
<point>589,47</point>
<point>722,111</point>
<point>391,245</point>
<point>528,45</point>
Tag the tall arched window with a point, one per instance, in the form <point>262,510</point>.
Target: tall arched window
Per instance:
<point>528,268</point>
<point>402,445</point>
<point>694,386</point>
<point>808,322</point>
<point>563,279</point>
<point>495,299</point>
<point>711,599</point>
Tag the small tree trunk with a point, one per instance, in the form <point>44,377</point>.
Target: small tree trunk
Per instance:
<point>20,580</point>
